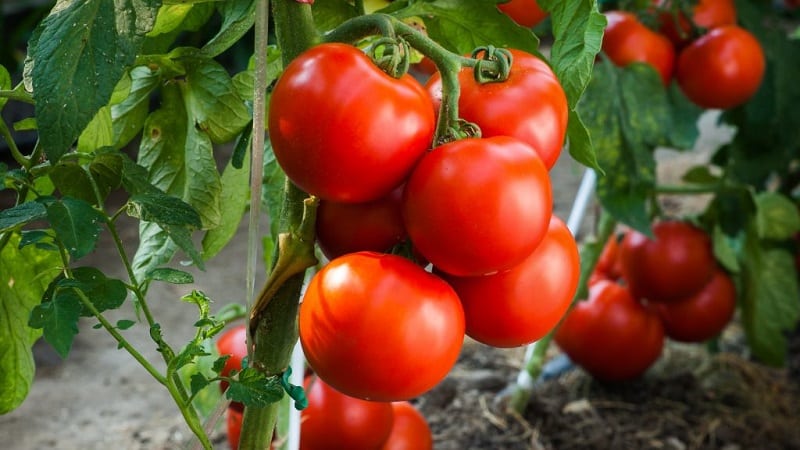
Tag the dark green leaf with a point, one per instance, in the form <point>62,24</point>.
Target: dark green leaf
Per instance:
<point>238,17</point>
<point>71,180</point>
<point>186,356</point>
<point>580,142</point>
<point>104,293</point>
<point>76,56</point>
<point>172,276</point>
<point>272,190</point>
<point>328,14</point>
<point>219,363</point>
<point>163,209</point>
<point>726,249</point>
<point>24,276</point>
<point>20,215</point>
<point>76,224</point>
<point>135,177</point>
<point>253,388</point>
<point>198,383</point>
<point>776,216</point>
<point>106,170</point>
<point>700,175</point>
<point>235,197</point>
<point>125,324</point>
<point>58,319</point>
<point>41,239</point>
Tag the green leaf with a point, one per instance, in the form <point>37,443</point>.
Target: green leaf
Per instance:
<point>198,382</point>
<point>125,324</point>
<point>106,169</point>
<point>76,56</point>
<point>186,356</point>
<point>76,224</point>
<point>172,276</point>
<point>462,26</point>
<point>238,17</point>
<point>98,133</point>
<point>163,209</point>
<point>580,142</point>
<point>5,84</point>
<point>155,249</point>
<point>578,31</point>
<point>725,249</point>
<point>212,102</point>
<point>58,319</point>
<point>41,239</point>
<point>683,130</point>
<point>272,191</point>
<point>71,180</point>
<point>769,300</point>
<point>128,115</point>
<point>253,388</point>
<point>20,215</point>
<point>169,18</point>
<point>777,216</point>
<point>103,292</point>
<point>205,400</point>
<point>328,14</point>
<point>24,276</point>
<point>700,175</point>
<point>235,197</point>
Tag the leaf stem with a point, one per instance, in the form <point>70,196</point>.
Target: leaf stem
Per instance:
<point>19,95</point>
<point>18,156</point>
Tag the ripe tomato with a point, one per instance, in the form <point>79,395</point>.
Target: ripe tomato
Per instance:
<point>626,40</point>
<point>233,422</point>
<point>705,14</point>
<point>379,327</point>
<point>342,129</point>
<point>525,12</point>
<point>676,264</point>
<point>608,266</point>
<point>611,335</point>
<point>519,306</point>
<point>478,206</point>
<point>530,105</point>
<point>721,69</point>
<point>334,420</point>
<point>350,227</point>
<point>410,430</point>
<point>232,342</point>
<point>702,315</point>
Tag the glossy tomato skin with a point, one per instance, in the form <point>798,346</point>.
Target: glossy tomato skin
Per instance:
<point>721,69</point>
<point>611,335</point>
<point>707,14</point>
<point>351,227</point>
<point>626,40</point>
<point>410,430</point>
<point>232,342</point>
<point>530,105</point>
<point>519,306</point>
<point>525,12</point>
<point>233,424</point>
<point>677,263</point>
<point>702,315</point>
<point>379,327</point>
<point>334,420</point>
<point>342,129</point>
<point>478,206</point>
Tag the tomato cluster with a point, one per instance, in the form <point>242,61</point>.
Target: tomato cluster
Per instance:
<point>487,257</point>
<point>642,290</point>
<point>716,63</point>
<point>332,419</point>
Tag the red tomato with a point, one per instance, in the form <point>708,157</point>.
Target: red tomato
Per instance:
<point>334,420</point>
<point>233,422</point>
<point>379,327</point>
<point>676,264</point>
<point>410,430</point>
<point>705,14</point>
<point>519,306</point>
<point>525,12</point>
<point>232,342</point>
<point>626,40</point>
<point>530,105</point>
<point>342,129</point>
<point>609,263</point>
<point>350,227</point>
<point>722,69</point>
<point>611,335</point>
<point>478,206</point>
<point>702,315</point>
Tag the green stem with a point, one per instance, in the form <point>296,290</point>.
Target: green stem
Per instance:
<point>690,189</point>
<point>19,95</point>
<point>359,5</point>
<point>18,156</point>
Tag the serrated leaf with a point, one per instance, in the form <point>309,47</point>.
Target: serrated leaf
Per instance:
<point>71,180</point>
<point>20,215</point>
<point>24,276</point>
<point>219,363</point>
<point>103,292</point>
<point>172,276</point>
<point>235,197</point>
<point>163,209</point>
<point>198,383</point>
<point>41,239</point>
<point>777,216</point>
<point>106,170</point>
<point>463,26</point>
<point>76,224</point>
<point>58,319</point>
<point>255,389</point>
<point>76,56</point>
<point>186,356</point>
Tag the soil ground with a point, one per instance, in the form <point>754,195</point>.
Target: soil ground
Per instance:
<point>99,398</point>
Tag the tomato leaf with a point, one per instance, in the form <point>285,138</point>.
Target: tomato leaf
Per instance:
<point>253,388</point>
<point>328,14</point>
<point>5,84</point>
<point>71,180</point>
<point>462,26</point>
<point>98,133</point>
<point>770,307</point>
<point>236,190</point>
<point>76,225</point>
<point>106,170</point>
<point>238,17</point>
<point>104,293</point>
<point>777,217</point>
<point>580,142</point>
<point>76,56</point>
<point>172,276</point>
<point>683,130</point>
<point>156,206</point>
<point>725,249</point>
<point>57,315</point>
<point>129,113</point>
<point>20,215</point>
<point>24,276</point>
<point>272,193</point>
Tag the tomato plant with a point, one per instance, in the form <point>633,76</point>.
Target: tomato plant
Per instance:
<point>527,13</point>
<point>363,309</point>
<point>488,224</point>
<point>701,315</point>
<point>498,109</point>
<point>232,343</point>
<point>372,132</point>
<point>522,304</point>
<point>335,420</point>
<point>721,69</point>
<point>410,430</point>
<point>627,40</point>
<point>707,14</point>
<point>611,335</point>
<point>676,263</point>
